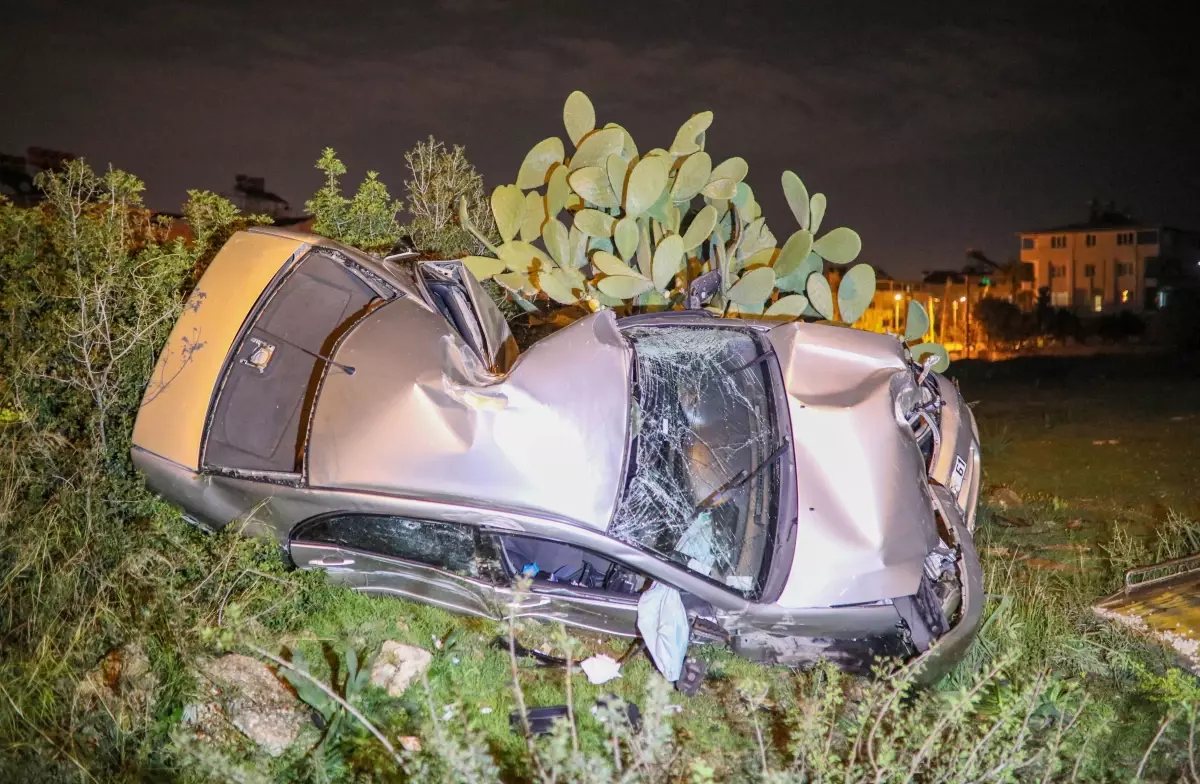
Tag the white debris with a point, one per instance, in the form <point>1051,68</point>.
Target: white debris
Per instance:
<point>600,668</point>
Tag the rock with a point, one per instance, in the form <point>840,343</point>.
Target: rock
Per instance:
<point>247,694</point>
<point>123,682</point>
<point>1004,497</point>
<point>397,666</point>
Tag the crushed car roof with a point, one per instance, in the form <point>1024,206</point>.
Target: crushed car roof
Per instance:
<point>420,417</point>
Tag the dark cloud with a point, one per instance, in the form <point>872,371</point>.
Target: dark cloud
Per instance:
<point>930,132</point>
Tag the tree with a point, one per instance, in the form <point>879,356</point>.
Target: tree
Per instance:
<point>368,221</point>
<point>439,179</point>
<point>1001,321</point>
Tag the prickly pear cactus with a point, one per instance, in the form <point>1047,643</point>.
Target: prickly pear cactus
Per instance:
<point>609,226</point>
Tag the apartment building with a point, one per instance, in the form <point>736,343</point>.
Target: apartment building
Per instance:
<point>1111,262</point>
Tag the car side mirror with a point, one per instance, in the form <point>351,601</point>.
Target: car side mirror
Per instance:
<point>702,289</point>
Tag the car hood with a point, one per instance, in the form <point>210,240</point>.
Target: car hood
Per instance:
<point>421,418</point>
<point>865,520</point>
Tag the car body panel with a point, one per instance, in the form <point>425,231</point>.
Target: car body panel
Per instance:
<point>174,410</point>
<point>865,515</point>
<point>952,646</point>
<point>417,418</point>
<point>592,611</point>
<point>956,459</point>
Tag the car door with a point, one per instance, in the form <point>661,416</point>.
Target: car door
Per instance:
<point>455,292</point>
<point>608,606</point>
<point>430,562</point>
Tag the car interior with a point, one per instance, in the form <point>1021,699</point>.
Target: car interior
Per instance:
<point>554,562</point>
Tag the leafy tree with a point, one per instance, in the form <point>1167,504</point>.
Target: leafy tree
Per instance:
<point>90,286</point>
<point>367,221</point>
<point>1001,321</point>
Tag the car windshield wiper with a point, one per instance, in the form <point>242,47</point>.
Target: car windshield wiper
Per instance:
<point>723,493</point>
<point>763,357</point>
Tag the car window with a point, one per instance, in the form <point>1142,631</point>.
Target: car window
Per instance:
<point>447,546</point>
<point>555,562</point>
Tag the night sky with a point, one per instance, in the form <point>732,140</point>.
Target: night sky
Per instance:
<point>930,130</point>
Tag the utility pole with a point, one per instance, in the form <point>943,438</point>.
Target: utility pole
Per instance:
<point>968,315</point>
<point>945,305</point>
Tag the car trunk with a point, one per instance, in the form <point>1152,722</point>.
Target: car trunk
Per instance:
<point>259,420</point>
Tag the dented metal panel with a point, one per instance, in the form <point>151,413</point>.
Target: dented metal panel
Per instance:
<point>422,417</point>
<point>865,513</point>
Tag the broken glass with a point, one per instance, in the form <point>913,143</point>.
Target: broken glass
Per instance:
<point>702,413</point>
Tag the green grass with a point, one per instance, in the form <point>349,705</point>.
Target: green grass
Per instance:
<point>1086,513</point>
<point>1047,559</point>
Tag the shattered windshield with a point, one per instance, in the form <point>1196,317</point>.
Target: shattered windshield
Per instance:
<point>704,470</point>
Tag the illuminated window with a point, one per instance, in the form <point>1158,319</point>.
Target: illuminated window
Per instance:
<point>1125,295</point>
<point>1161,299</point>
<point>1097,303</point>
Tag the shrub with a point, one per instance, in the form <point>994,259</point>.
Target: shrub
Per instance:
<point>1002,322</point>
<point>440,177</point>
<point>89,288</point>
<point>368,221</point>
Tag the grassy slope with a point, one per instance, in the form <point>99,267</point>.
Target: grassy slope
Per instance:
<point>1040,419</point>
<point>1038,422</point>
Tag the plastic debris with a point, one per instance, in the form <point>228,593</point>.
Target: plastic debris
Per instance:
<point>663,623</point>
<point>541,720</point>
<point>600,668</point>
<point>691,677</point>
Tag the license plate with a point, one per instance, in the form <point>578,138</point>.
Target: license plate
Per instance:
<point>957,476</point>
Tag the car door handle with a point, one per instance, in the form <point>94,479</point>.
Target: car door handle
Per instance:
<point>331,561</point>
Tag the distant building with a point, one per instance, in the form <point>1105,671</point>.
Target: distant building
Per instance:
<point>1111,262</point>
<point>17,173</point>
<point>250,194</point>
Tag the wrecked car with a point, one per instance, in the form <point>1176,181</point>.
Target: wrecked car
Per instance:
<point>807,488</point>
